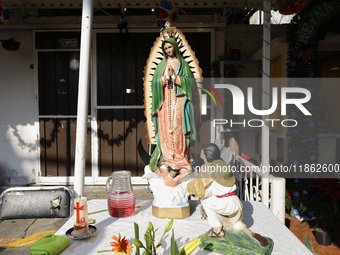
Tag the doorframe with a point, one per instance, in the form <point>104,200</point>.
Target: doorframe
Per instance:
<point>95,179</point>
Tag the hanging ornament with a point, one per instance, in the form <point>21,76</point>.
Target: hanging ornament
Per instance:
<point>310,107</point>
<point>312,157</point>
<point>296,131</point>
<point>312,139</point>
<point>288,7</point>
<point>310,123</point>
<point>166,12</point>
<point>5,13</point>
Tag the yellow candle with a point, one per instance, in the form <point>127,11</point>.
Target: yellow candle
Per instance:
<point>80,216</point>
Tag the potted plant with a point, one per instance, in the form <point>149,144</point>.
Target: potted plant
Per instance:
<point>319,200</point>
<point>322,204</point>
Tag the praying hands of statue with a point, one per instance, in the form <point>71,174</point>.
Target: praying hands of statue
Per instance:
<point>169,76</point>
<point>168,180</point>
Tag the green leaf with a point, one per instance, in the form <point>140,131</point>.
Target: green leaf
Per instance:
<point>136,237</point>
<point>148,242</point>
<point>288,203</point>
<point>159,244</point>
<point>174,247</point>
<point>104,251</point>
<point>138,243</point>
<point>169,226</point>
<point>98,211</point>
<point>150,226</point>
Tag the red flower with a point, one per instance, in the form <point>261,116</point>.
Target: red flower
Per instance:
<point>327,189</point>
<point>288,196</point>
<point>291,190</point>
<point>121,245</point>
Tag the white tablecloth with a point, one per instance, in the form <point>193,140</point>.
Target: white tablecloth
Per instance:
<point>256,216</point>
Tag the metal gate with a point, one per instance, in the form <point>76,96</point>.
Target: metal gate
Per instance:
<point>58,88</point>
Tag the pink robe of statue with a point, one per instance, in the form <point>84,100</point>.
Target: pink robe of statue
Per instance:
<point>170,115</point>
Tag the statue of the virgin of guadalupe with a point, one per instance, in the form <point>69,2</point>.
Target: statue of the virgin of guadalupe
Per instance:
<point>170,113</point>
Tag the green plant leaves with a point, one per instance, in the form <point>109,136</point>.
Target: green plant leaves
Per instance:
<point>138,243</point>
<point>150,226</point>
<point>149,237</point>
<point>168,226</point>
<point>136,237</point>
<point>174,247</point>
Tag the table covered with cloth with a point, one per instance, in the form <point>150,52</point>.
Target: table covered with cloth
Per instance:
<point>256,216</point>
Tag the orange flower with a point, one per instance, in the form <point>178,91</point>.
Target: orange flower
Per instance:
<point>121,245</point>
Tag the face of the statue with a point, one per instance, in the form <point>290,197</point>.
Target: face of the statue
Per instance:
<point>169,50</point>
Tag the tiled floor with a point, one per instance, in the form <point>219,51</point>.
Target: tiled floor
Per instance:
<point>300,229</point>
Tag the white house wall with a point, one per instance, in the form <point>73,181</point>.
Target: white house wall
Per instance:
<point>18,133</point>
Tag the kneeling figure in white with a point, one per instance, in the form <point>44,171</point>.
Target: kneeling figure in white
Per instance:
<point>217,193</point>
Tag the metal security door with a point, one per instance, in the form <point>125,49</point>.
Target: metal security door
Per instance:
<point>57,85</point>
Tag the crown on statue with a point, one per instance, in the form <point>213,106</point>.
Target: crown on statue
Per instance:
<point>167,31</point>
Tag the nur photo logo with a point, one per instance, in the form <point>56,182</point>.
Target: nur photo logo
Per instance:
<point>204,97</point>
